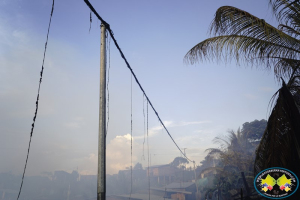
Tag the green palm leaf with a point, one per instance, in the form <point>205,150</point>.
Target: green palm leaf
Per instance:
<point>250,40</point>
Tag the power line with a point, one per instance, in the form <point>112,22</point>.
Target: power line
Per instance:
<point>148,150</point>
<point>144,128</point>
<point>37,101</point>
<point>131,137</point>
<point>133,74</point>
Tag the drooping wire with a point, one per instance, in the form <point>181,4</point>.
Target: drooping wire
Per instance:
<point>37,101</point>
<point>129,67</point>
<point>148,150</point>
<point>90,21</point>
<point>108,50</point>
<point>143,157</point>
<point>131,138</point>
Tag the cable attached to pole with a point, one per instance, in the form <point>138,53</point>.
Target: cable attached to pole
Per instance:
<point>37,101</point>
<point>128,66</point>
<point>143,157</point>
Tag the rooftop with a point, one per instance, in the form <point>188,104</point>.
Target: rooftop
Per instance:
<point>179,185</point>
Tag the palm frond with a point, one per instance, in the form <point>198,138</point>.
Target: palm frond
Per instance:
<point>233,21</point>
<point>287,12</point>
<point>289,30</point>
<point>279,145</point>
<point>222,141</point>
<point>212,152</point>
<point>248,39</point>
<point>241,48</point>
<point>283,67</point>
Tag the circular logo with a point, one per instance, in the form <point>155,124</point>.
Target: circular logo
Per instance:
<point>276,183</point>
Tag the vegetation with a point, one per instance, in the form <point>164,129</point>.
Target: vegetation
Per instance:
<point>248,39</point>
<point>222,168</point>
<point>178,161</point>
<point>254,130</point>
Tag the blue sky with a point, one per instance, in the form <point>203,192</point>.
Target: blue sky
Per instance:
<point>197,102</point>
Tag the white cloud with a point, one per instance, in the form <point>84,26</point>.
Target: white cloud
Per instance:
<point>118,153</point>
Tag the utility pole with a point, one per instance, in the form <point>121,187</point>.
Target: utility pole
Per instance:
<point>101,183</point>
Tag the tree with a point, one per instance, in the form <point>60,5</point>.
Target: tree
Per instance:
<point>138,166</point>
<point>236,155</point>
<point>248,39</point>
<point>254,129</point>
<point>235,150</point>
<point>179,160</point>
<point>238,34</point>
<point>280,144</point>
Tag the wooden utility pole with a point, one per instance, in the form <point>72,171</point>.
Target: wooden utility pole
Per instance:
<point>101,183</point>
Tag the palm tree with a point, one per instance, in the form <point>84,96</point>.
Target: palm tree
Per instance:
<point>238,34</point>
<point>236,150</point>
<point>236,154</point>
<point>250,40</point>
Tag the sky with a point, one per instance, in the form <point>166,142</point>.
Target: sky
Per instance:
<point>196,102</point>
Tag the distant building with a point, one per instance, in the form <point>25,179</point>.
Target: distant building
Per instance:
<point>181,191</point>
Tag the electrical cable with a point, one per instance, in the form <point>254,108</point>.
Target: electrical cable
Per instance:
<point>148,150</point>
<point>131,138</point>
<point>90,21</point>
<point>137,81</point>
<point>37,101</point>
<point>144,128</point>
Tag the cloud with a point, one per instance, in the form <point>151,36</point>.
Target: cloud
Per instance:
<point>118,153</point>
